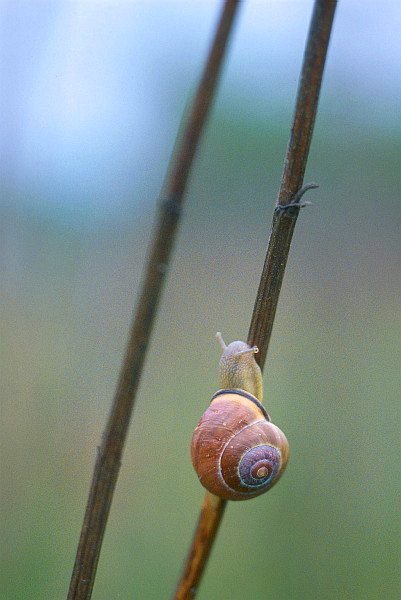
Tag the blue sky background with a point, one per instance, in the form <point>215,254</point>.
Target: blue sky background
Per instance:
<point>93,92</point>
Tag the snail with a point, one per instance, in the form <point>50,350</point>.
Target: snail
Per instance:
<point>237,452</point>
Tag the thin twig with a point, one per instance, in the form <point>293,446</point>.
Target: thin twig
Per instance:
<point>283,224</point>
<point>110,452</point>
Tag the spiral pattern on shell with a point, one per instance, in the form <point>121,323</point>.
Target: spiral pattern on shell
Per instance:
<point>259,466</point>
<point>236,451</point>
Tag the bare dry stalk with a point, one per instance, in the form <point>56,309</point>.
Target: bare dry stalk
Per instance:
<point>284,220</point>
<point>110,452</point>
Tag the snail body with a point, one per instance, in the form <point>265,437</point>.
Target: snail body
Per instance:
<point>237,452</point>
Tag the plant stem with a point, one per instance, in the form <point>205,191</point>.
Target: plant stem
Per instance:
<point>110,452</point>
<point>282,229</point>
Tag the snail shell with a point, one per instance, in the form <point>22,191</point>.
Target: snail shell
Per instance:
<point>236,451</point>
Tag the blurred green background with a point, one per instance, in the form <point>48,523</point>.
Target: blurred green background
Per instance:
<point>92,97</point>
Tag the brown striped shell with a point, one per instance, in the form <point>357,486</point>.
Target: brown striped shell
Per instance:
<point>236,451</point>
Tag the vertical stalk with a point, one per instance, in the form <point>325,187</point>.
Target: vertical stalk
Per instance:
<point>284,220</point>
<point>110,452</point>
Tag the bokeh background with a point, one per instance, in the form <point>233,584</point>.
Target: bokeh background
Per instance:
<point>92,95</point>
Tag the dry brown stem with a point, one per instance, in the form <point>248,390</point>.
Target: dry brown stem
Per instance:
<point>110,452</point>
<point>284,220</point>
